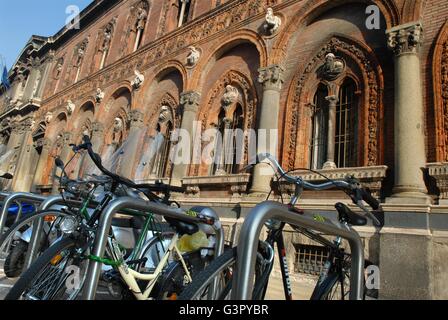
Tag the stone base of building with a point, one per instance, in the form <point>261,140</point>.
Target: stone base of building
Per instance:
<point>411,250</point>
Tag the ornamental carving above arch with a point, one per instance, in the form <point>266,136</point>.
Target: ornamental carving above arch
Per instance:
<point>299,98</point>
<point>169,101</point>
<point>440,72</point>
<point>247,98</point>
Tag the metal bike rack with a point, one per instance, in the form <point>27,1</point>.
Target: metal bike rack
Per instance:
<point>33,247</point>
<point>3,195</point>
<point>248,244</point>
<point>16,197</point>
<point>94,267</point>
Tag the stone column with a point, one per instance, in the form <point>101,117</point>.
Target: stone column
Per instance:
<point>45,144</point>
<point>97,140</point>
<point>45,71</point>
<point>65,155</point>
<point>25,167</point>
<point>133,144</point>
<point>410,156</point>
<point>33,83</point>
<point>97,136</point>
<point>272,80</point>
<point>225,147</point>
<point>190,104</point>
<point>15,137</point>
<point>332,103</point>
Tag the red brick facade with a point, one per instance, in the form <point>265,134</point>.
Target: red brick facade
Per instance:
<point>233,46</point>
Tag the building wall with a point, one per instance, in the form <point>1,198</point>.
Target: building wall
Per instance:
<point>114,104</point>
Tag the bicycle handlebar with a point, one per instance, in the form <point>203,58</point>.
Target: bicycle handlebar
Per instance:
<point>357,192</point>
<point>158,187</point>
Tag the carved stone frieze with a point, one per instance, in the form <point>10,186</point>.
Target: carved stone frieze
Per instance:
<point>219,21</point>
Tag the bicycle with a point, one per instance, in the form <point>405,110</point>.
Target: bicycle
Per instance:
<point>335,273</point>
<point>167,273</point>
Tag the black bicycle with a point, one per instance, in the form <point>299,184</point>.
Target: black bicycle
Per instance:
<point>215,281</point>
<point>47,277</point>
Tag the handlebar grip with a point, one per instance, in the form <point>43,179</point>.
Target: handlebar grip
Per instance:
<point>369,199</point>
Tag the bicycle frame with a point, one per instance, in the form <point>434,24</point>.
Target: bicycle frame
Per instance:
<point>131,276</point>
<point>94,268</point>
<point>249,238</point>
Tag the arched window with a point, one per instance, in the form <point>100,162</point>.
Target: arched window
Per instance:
<point>346,125</point>
<point>228,143</point>
<point>319,128</point>
<point>141,16</point>
<point>78,58</point>
<point>184,12</point>
<point>236,150</point>
<point>165,148</point>
<point>218,153</point>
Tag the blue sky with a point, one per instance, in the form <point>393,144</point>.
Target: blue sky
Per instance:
<point>20,19</point>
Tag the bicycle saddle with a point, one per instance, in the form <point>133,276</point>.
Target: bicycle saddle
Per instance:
<point>347,215</point>
<point>182,227</point>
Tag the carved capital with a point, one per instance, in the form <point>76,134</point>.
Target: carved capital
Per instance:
<point>190,101</point>
<point>405,38</point>
<point>439,171</point>
<point>136,118</point>
<point>271,77</point>
<point>43,143</point>
<point>67,137</point>
<point>97,128</point>
<point>332,101</point>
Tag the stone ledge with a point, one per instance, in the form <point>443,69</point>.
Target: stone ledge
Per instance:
<point>439,171</point>
<point>235,183</point>
<point>370,177</point>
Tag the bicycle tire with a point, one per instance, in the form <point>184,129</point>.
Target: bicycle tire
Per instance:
<point>15,260</point>
<point>24,221</point>
<point>322,291</point>
<point>204,278</point>
<point>28,276</point>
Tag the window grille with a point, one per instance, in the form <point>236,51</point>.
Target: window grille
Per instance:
<point>309,259</point>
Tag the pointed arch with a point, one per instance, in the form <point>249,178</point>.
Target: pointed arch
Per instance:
<point>314,8</point>
<point>212,106</point>
<point>367,73</point>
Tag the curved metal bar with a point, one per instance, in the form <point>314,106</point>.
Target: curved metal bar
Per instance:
<point>250,234</point>
<point>4,195</point>
<point>14,197</point>
<point>94,267</point>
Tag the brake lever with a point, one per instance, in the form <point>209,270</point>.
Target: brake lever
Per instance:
<point>371,215</point>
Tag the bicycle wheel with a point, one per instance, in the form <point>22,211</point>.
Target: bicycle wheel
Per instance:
<point>221,270</point>
<point>219,275</point>
<point>336,284</point>
<point>14,242</point>
<point>58,274</point>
